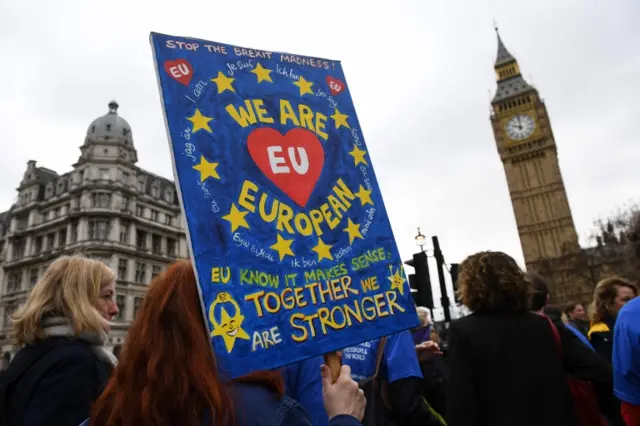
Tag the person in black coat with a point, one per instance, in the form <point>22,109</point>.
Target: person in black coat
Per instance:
<point>62,366</point>
<point>504,364</point>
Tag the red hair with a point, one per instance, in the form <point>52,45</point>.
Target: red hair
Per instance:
<point>167,373</point>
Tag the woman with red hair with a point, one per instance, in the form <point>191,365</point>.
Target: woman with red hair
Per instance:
<point>167,373</point>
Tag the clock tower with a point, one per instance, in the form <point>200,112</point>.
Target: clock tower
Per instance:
<point>527,148</point>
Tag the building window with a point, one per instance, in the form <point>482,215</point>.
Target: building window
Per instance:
<point>59,211</point>
<point>74,231</point>
<point>139,211</point>
<point>105,174</point>
<point>18,248</point>
<point>101,199</point>
<point>38,245</point>
<point>154,215</point>
<point>155,191</point>
<point>141,239</point>
<point>141,272</point>
<point>168,196</point>
<point>155,271</point>
<point>171,247</point>
<point>51,239</point>
<point>122,269</point>
<point>124,232</point>
<point>98,229</point>
<point>141,185</point>
<point>120,302</point>
<point>21,224</point>
<point>125,178</point>
<point>168,219</point>
<point>8,313</point>
<point>126,200</point>
<point>62,238</point>
<point>137,302</point>
<point>13,282</point>
<point>156,243</point>
<point>33,277</point>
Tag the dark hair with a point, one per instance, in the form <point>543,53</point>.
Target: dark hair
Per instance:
<point>492,281</point>
<point>553,312</point>
<point>570,307</point>
<point>540,289</point>
<point>167,373</point>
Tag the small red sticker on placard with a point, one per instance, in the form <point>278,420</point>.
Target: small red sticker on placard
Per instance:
<point>293,162</point>
<point>335,86</point>
<point>180,70</point>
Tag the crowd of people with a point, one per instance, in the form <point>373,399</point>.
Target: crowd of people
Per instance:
<point>517,359</point>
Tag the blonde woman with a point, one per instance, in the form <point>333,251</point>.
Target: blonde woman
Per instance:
<point>62,366</point>
<point>610,295</point>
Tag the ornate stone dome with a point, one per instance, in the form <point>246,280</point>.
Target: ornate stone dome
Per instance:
<point>110,127</point>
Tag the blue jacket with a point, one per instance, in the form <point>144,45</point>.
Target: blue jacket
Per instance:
<point>258,406</point>
<point>626,353</point>
<point>303,383</point>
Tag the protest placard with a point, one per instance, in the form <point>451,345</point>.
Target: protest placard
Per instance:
<point>290,239</point>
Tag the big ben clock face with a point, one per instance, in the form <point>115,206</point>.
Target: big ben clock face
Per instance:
<point>520,127</point>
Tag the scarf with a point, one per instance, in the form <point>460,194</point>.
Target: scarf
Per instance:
<point>61,327</point>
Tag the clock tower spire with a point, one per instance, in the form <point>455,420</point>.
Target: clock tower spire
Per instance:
<point>527,148</point>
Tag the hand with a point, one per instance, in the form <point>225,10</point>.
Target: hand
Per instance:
<point>426,350</point>
<point>344,396</point>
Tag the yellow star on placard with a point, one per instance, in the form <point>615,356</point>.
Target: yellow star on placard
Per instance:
<point>263,74</point>
<point>223,82</point>
<point>397,281</point>
<point>236,218</point>
<point>230,329</point>
<point>304,85</point>
<point>353,230</point>
<point>323,250</point>
<point>358,155</point>
<point>206,169</point>
<point>283,247</point>
<point>340,119</point>
<point>364,195</point>
<point>200,121</point>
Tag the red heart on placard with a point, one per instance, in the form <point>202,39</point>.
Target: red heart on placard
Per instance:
<point>336,86</point>
<point>293,162</point>
<point>180,70</point>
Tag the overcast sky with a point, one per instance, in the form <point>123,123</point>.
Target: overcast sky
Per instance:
<point>428,131</point>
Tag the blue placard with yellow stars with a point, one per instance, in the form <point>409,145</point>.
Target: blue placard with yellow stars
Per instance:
<point>291,242</point>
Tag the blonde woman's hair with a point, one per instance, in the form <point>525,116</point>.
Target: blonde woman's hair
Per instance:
<point>604,296</point>
<point>69,288</point>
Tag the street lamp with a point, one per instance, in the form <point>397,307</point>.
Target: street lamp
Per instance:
<point>421,240</point>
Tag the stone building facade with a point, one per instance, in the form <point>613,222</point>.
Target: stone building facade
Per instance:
<point>106,207</point>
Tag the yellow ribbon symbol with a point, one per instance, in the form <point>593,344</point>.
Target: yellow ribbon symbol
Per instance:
<point>229,328</point>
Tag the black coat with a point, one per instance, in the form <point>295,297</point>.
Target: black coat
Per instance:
<point>505,370</point>
<point>53,383</point>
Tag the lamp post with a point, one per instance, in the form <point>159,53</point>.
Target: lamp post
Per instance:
<point>444,297</point>
<point>421,240</point>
